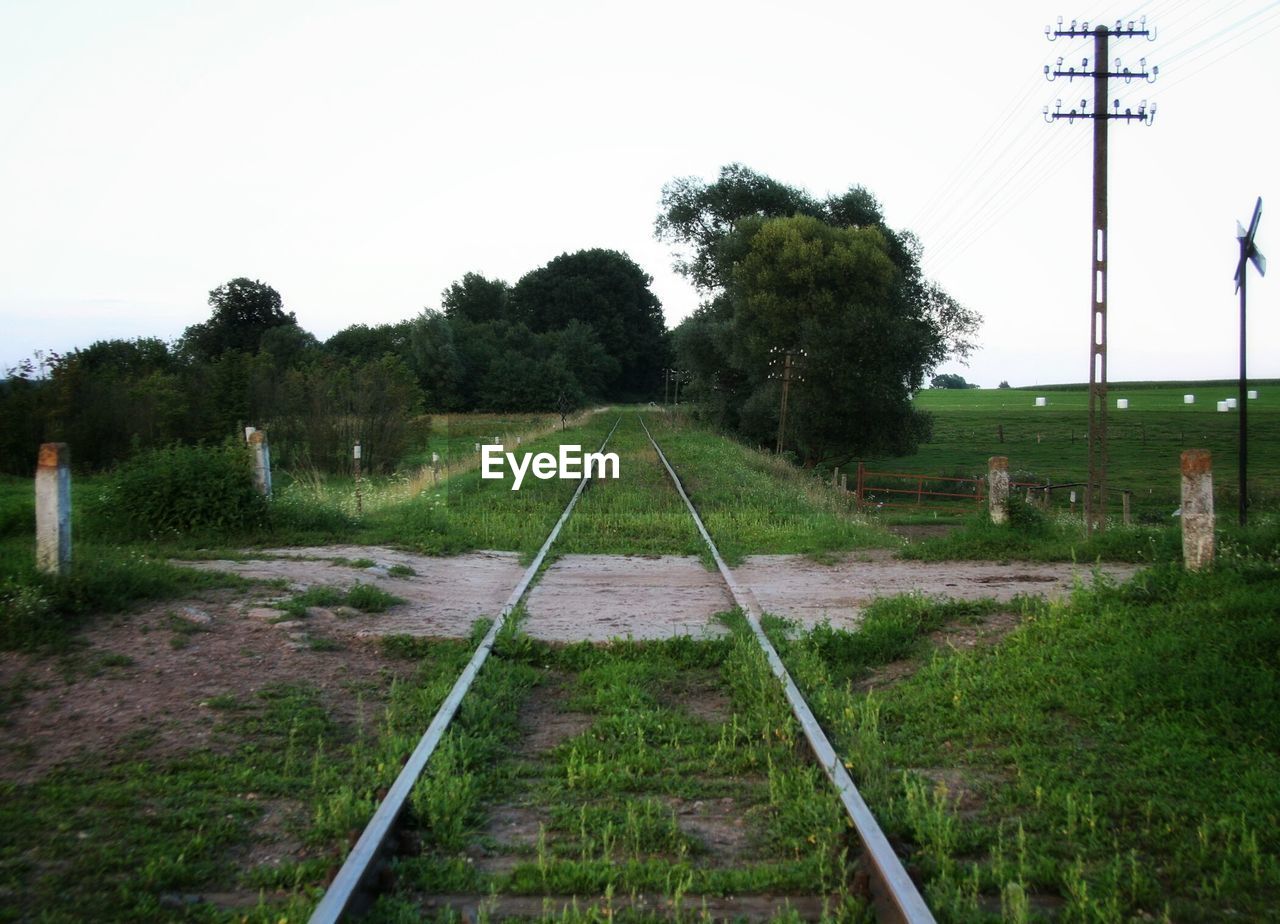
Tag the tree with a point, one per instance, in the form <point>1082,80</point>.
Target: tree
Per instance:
<point>606,292</point>
<point>782,269</point>
<point>1003,384</point>
<point>362,342</point>
<point>476,298</point>
<point>824,293</point>
<point>243,311</point>
<point>949,380</point>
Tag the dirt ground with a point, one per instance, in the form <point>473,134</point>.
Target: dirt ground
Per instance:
<point>598,597</point>
<point>444,596</point>
<point>155,670</point>
<point>804,590</point>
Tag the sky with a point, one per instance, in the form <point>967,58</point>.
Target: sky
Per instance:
<point>361,156</point>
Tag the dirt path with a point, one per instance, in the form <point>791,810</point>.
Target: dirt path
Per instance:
<point>801,589</point>
<point>598,597</point>
<point>443,596</point>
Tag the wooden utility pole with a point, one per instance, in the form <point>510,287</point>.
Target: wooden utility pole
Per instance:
<point>789,372</point>
<point>1095,490</point>
<point>786,390</point>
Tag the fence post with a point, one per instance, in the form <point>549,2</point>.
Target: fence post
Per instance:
<point>844,484</point>
<point>1126,500</point>
<point>261,462</point>
<point>860,486</point>
<point>53,509</point>
<point>835,476</point>
<point>1197,509</point>
<point>998,488</point>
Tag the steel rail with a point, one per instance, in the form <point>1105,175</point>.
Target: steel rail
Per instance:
<point>902,891</point>
<point>338,898</point>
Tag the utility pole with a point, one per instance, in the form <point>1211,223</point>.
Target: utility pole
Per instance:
<point>1249,253</point>
<point>788,373</point>
<point>1095,491</point>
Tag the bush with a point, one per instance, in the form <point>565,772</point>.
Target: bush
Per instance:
<point>184,489</point>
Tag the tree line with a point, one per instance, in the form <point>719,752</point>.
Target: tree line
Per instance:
<point>779,271</point>
<point>583,327</point>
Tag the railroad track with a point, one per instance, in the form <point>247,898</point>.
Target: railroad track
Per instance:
<point>350,892</point>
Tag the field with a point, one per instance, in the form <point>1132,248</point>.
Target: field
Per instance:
<point>1144,442</point>
<point>1029,760</point>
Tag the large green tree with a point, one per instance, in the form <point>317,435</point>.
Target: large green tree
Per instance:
<point>781,270</point>
<point>606,292</point>
<point>243,311</point>
<point>475,298</point>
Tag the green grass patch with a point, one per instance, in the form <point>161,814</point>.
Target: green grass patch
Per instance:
<point>1144,442</point>
<point>608,794</point>
<point>755,503</point>
<point>368,598</point>
<point>1113,759</point>
<point>39,610</point>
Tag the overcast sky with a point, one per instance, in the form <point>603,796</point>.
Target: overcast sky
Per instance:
<point>360,156</point>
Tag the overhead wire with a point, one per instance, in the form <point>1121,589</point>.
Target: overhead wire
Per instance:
<point>993,191</point>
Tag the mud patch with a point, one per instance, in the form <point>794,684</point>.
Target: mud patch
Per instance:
<point>720,825</point>
<point>963,788</point>
<point>960,636</point>
<point>916,532</point>
<point>697,694</point>
<point>545,723</point>
<point>966,636</point>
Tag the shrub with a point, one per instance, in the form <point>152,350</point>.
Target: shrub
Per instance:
<point>184,489</point>
<point>26,615</point>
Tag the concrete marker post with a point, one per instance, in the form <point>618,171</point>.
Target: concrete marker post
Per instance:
<point>53,509</point>
<point>355,455</point>
<point>1197,509</point>
<point>998,488</point>
<point>261,462</point>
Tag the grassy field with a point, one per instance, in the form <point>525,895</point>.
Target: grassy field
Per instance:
<point>1144,442</point>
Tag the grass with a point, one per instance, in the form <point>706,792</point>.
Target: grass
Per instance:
<point>754,503</point>
<point>367,598</point>
<point>638,513</point>
<point>128,835</point>
<point>41,611</point>
<point>1144,442</point>
<point>607,795</point>
<point>1097,783</point>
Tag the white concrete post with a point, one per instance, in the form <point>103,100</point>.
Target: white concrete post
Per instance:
<point>998,488</point>
<point>261,462</point>
<point>1197,509</point>
<point>53,509</point>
